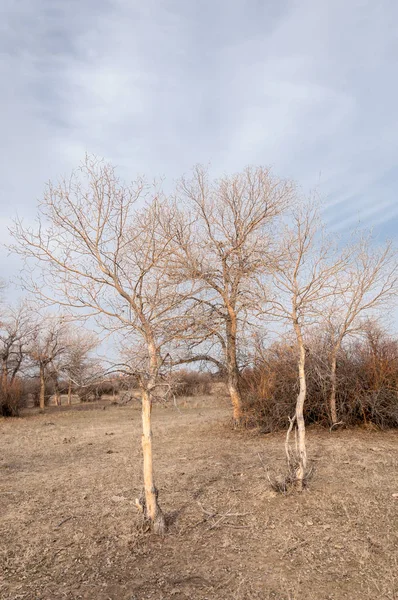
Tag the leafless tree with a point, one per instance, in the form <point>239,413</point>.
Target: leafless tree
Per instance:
<point>224,241</point>
<point>99,253</point>
<point>304,280</point>
<point>368,282</point>
<point>48,344</point>
<point>15,333</point>
<point>76,365</point>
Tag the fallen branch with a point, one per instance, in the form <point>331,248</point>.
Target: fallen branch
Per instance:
<point>65,521</point>
<point>298,545</point>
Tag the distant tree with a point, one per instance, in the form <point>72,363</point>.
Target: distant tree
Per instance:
<point>76,366</point>
<point>16,330</point>
<point>49,343</point>
<point>368,282</point>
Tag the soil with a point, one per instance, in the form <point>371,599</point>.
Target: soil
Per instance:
<point>70,528</point>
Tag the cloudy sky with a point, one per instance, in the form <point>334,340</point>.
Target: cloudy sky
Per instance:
<point>308,86</point>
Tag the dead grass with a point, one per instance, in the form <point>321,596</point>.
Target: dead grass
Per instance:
<point>70,529</point>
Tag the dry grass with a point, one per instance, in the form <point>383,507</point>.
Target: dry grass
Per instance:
<point>70,530</point>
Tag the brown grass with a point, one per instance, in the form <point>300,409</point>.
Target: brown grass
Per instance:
<point>70,530</point>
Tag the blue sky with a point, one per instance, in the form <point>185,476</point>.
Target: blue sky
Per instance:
<point>308,86</point>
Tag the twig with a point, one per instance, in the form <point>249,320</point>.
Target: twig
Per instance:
<point>261,461</point>
<point>175,404</point>
<point>292,548</point>
<point>210,514</point>
<point>235,526</point>
<point>65,521</point>
<point>228,514</point>
<point>222,516</point>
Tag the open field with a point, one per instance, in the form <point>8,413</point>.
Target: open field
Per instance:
<point>70,529</point>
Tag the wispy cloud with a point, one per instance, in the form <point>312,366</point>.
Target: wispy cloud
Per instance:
<point>308,86</point>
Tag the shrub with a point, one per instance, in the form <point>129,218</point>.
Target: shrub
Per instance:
<point>191,383</point>
<point>11,399</point>
<point>95,391</point>
<point>367,384</point>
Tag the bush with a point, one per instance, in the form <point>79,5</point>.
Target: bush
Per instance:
<point>11,399</point>
<point>191,383</point>
<point>367,384</point>
<point>95,391</point>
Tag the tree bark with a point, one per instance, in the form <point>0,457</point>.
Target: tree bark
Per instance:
<point>42,387</point>
<point>233,369</point>
<point>300,423</point>
<point>302,451</point>
<point>152,511</point>
<point>150,505</point>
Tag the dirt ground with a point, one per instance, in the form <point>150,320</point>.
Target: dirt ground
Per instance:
<point>70,529</point>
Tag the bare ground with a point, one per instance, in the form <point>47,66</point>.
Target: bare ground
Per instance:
<point>70,529</point>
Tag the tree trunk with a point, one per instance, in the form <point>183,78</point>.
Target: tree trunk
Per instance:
<point>149,501</point>
<point>233,370</point>
<point>151,509</point>
<point>302,451</point>
<point>236,399</point>
<point>57,393</point>
<point>42,387</point>
<point>332,399</point>
<point>70,393</point>
<point>300,423</point>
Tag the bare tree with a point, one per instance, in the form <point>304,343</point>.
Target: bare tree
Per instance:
<point>304,280</point>
<point>225,240</point>
<point>15,333</point>
<point>76,365</point>
<point>49,343</point>
<point>99,253</point>
<point>368,282</point>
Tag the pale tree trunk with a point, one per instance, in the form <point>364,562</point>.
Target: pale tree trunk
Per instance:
<point>42,387</point>
<point>149,503</point>
<point>233,370</point>
<point>302,451</point>
<point>152,511</point>
<point>57,393</point>
<point>70,393</point>
<point>300,423</point>
<point>332,399</point>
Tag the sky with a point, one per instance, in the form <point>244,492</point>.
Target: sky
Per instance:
<point>309,87</point>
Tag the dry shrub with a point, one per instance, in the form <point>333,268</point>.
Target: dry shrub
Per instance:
<point>191,383</point>
<point>283,484</point>
<point>367,384</point>
<point>96,391</point>
<point>11,398</point>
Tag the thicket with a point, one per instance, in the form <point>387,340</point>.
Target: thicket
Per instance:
<point>367,384</point>
<point>12,398</point>
<point>191,383</point>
